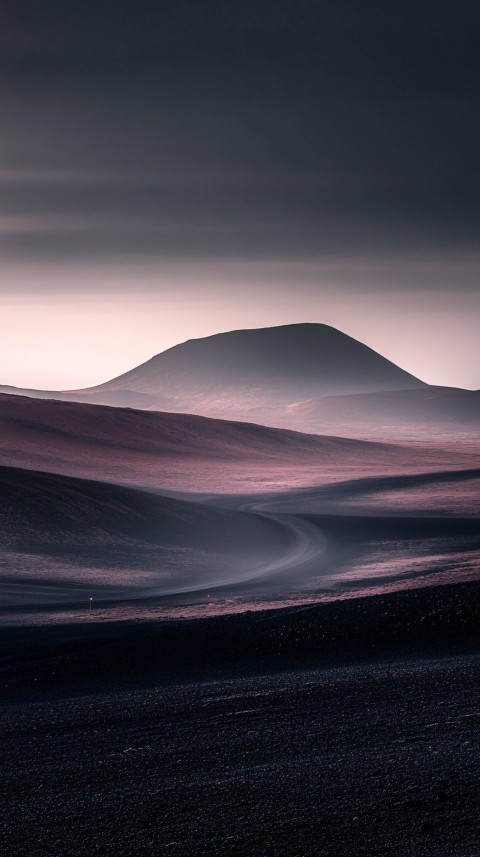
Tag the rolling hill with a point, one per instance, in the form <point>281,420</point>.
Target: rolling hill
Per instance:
<point>63,540</point>
<point>187,452</point>
<point>432,413</point>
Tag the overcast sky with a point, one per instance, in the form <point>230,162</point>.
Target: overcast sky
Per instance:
<point>172,169</point>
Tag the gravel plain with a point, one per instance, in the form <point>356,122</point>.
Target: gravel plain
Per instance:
<point>350,760</point>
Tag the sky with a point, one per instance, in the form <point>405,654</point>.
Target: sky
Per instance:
<point>173,169</point>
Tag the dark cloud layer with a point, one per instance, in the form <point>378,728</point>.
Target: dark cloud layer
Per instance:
<point>210,129</point>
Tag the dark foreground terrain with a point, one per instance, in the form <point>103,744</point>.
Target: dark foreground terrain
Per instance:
<point>359,760</point>
<point>350,728</point>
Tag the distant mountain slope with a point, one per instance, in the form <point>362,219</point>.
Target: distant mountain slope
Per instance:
<point>430,411</point>
<point>228,373</point>
<point>115,398</point>
<point>186,452</point>
<point>306,377</point>
<point>266,363</point>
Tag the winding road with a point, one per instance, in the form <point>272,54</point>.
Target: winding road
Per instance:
<point>305,545</point>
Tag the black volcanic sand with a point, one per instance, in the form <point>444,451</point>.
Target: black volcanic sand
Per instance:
<point>345,729</point>
<point>39,662</point>
<point>347,761</point>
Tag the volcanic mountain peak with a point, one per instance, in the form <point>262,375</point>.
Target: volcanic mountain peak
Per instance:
<point>308,377</point>
<point>311,358</point>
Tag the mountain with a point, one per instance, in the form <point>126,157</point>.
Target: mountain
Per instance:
<point>226,374</point>
<point>188,452</point>
<point>264,366</point>
<point>305,377</point>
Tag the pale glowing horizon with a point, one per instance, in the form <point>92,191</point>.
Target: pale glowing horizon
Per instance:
<point>250,166</point>
<point>59,338</point>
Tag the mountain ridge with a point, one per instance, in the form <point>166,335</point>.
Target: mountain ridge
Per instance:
<point>284,354</point>
<point>306,377</point>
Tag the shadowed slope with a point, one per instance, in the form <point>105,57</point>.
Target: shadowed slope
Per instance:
<point>64,538</point>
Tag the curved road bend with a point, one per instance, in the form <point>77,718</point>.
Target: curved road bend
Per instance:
<point>305,543</point>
